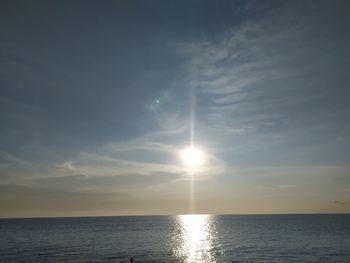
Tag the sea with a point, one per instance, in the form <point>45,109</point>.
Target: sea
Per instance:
<point>183,238</point>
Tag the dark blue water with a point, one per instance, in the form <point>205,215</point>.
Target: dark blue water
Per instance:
<point>226,238</point>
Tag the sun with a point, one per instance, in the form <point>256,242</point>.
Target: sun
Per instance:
<point>192,157</point>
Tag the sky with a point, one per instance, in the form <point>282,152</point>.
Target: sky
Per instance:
<point>97,98</point>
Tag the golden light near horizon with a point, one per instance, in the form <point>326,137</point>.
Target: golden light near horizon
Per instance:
<point>192,157</point>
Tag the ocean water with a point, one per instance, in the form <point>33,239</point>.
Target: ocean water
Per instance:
<point>188,238</point>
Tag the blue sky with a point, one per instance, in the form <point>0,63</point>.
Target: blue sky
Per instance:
<point>82,133</point>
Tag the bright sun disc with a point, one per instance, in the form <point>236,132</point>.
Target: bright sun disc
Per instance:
<point>192,157</point>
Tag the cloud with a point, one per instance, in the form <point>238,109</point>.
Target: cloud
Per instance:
<point>342,203</point>
<point>7,158</point>
<point>10,163</point>
<point>271,102</point>
<point>14,169</point>
<point>105,184</point>
<point>239,74</point>
<point>267,85</point>
<point>141,156</point>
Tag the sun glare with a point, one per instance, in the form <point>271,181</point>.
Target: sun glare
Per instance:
<point>196,238</point>
<point>192,157</point>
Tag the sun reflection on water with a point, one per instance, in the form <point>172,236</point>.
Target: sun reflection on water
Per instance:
<point>196,242</point>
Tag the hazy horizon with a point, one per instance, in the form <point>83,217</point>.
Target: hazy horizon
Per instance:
<point>99,101</point>
<point>175,215</point>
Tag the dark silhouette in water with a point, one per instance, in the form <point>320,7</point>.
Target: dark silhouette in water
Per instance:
<point>131,260</point>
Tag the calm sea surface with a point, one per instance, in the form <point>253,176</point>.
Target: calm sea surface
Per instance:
<point>188,238</point>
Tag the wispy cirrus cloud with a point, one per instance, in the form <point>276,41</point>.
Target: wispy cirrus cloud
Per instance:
<point>267,84</point>
<point>137,157</point>
<point>135,163</point>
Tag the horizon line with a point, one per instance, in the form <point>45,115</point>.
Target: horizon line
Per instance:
<point>150,215</point>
